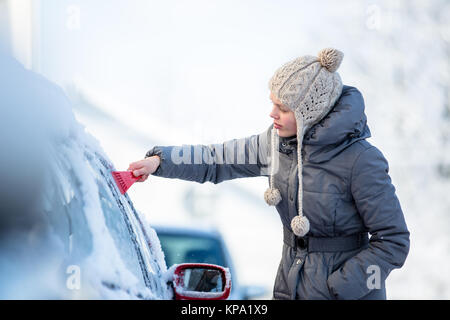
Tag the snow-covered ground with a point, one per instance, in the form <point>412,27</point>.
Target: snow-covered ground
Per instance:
<point>165,73</point>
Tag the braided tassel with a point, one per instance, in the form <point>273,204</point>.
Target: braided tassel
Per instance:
<point>300,223</point>
<point>272,195</point>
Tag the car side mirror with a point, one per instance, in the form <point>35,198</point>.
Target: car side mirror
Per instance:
<point>201,281</point>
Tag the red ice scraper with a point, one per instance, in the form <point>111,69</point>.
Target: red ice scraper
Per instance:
<point>124,179</point>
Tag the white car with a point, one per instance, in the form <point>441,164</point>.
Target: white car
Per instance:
<point>66,231</point>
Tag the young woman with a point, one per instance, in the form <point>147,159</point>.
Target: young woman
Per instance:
<point>329,185</point>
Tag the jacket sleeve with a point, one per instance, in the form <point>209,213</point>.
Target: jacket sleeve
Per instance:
<point>237,158</point>
<point>380,210</point>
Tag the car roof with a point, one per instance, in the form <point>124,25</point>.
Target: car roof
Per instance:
<point>209,232</point>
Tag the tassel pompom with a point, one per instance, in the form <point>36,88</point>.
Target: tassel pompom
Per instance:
<point>330,58</point>
<point>272,196</point>
<point>300,225</point>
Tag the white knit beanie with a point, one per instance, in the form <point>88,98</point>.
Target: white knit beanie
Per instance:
<point>309,86</point>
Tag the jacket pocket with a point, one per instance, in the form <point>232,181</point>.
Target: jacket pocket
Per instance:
<point>338,283</point>
<point>313,280</point>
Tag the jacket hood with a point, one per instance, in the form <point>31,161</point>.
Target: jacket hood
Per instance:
<point>344,125</point>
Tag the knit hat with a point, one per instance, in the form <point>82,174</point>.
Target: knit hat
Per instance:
<point>309,86</point>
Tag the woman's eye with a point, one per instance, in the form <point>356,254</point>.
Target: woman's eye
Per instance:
<point>279,107</point>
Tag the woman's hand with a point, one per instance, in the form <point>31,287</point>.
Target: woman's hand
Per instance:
<point>144,167</point>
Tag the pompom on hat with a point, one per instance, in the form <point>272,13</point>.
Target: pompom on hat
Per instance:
<point>309,86</point>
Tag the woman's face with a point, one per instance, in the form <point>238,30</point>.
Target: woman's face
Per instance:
<point>283,118</point>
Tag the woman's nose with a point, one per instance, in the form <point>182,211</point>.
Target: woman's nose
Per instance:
<point>274,114</point>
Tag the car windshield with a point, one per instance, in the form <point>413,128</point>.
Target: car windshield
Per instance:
<point>184,248</point>
<point>99,225</point>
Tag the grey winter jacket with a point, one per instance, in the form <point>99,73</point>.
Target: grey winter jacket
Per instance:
<point>346,190</point>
